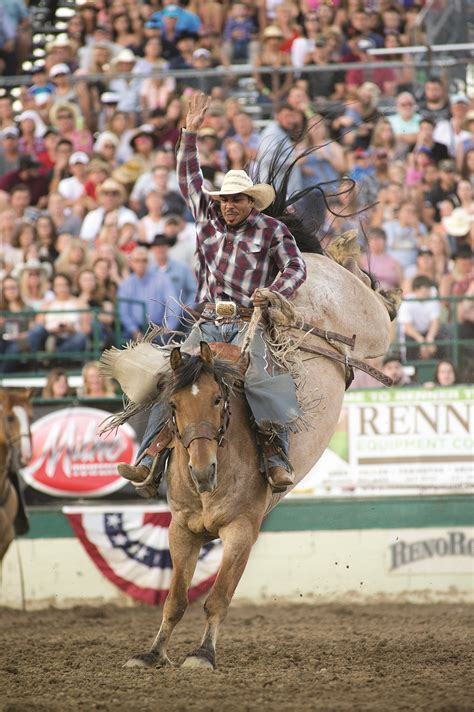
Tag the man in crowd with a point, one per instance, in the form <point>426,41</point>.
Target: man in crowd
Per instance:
<point>143,298</point>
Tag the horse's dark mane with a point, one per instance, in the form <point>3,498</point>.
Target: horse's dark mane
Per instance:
<point>191,370</point>
<point>302,212</point>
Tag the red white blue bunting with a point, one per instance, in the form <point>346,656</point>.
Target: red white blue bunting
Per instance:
<point>130,547</point>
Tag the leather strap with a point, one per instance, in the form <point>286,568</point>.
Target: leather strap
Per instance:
<point>327,335</point>
<point>160,442</point>
<point>349,361</point>
<point>194,431</point>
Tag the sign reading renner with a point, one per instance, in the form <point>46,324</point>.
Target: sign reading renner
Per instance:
<point>407,440</point>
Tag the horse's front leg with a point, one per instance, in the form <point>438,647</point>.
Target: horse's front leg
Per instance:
<point>184,549</point>
<point>238,539</point>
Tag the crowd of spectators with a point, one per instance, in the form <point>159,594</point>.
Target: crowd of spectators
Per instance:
<point>96,238</point>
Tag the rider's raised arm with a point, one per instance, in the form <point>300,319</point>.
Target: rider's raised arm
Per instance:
<point>189,172</point>
<point>190,176</point>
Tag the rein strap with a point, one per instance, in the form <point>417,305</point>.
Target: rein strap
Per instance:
<point>349,361</point>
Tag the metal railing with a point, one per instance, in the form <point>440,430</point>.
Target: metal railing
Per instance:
<point>452,346</point>
<point>23,358</point>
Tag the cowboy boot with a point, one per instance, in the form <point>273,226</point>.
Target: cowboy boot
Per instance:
<point>280,478</point>
<point>140,477</point>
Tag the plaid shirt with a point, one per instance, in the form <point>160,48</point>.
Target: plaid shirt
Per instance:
<point>232,262</point>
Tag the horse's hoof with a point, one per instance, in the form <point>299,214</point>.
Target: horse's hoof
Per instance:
<point>193,663</point>
<point>202,658</point>
<point>146,660</point>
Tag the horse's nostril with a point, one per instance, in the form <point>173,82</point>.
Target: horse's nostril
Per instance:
<point>212,471</point>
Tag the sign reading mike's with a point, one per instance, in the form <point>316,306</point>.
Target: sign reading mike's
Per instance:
<point>71,460</point>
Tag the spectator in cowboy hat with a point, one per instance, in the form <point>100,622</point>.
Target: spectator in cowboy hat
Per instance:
<point>143,142</point>
<point>66,117</point>
<point>34,277</point>
<point>127,89</point>
<point>458,224</point>
<point>111,196</point>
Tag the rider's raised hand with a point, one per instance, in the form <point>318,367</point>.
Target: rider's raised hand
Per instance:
<point>197,108</point>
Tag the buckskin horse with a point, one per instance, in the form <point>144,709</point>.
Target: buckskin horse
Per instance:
<point>218,491</point>
<point>15,452</point>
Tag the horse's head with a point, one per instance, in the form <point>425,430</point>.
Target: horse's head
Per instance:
<point>15,417</point>
<point>198,398</point>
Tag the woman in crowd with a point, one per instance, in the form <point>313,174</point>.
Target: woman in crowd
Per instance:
<point>61,319</point>
<point>91,299</point>
<point>65,117</point>
<point>467,168</point>
<point>73,258</point>
<point>235,157</point>
<point>108,278</point>
<point>25,235</point>
<point>384,268</point>
<point>32,129</point>
<point>328,161</point>
<point>120,125</point>
<point>175,111</point>
<point>46,236</point>
<point>95,385</point>
<point>383,137</point>
<point>445,373</point>
<point>34,279</point>
<point>14,330</point>
<point>123,34</point>
<point>439,246</point>
<point>57,385</point>
<point>272,86</point>
<point>106,147</point>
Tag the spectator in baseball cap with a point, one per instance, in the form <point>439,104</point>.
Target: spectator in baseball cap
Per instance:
<point>26,174</point>
<point>9,149</point>
<point>451,132</point>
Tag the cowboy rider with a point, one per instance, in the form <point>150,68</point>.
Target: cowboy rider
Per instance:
<point>239,251</point>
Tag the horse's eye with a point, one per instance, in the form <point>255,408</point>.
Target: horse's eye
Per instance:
<point>11,419</point>
<point>217,400</point>
<point>172,406</point>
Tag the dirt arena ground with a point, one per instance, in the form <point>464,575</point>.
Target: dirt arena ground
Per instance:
<point>282,658</point>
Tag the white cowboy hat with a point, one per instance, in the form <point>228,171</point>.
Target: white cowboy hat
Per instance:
<point>125,55</point>
<point>32,264</point>
<point>239,182</point>
<point>458,223</point>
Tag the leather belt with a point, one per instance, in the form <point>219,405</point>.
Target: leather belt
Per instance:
<point>227,310</point>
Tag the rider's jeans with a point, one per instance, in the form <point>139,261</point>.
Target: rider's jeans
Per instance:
<point>271,395</point>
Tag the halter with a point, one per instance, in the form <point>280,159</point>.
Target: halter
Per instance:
<point>204,429</point>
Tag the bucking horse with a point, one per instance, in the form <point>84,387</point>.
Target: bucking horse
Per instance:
<point>215,485</point>
<point>15,452</point>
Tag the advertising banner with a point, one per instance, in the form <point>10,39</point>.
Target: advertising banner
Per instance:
<point>71,460</point>
<point>398,441</point>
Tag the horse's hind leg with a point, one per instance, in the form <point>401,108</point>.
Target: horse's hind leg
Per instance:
<point>184,548</point>
<point>238,539</point>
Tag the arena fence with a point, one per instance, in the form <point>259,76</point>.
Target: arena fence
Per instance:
<point>459,350</point>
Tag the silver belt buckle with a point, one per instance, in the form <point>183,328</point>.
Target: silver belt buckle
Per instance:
<point>226,309</point>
